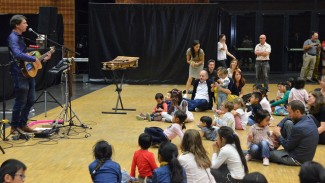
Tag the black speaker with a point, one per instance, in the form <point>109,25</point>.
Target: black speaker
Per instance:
<point>4,55</point>
<point>47,20</point>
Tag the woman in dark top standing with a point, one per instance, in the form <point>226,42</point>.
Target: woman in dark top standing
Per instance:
<point>239,83</point>
<point>316,107</point>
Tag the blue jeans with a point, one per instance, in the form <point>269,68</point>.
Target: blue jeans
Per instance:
<point>197,103</point>
<point>25,97</point>
<point>260,151</point>
<point>250,122</point>
<point>286,125</point>
<point>221,97</point>
<point>283,157</point>
<point>262,73</point>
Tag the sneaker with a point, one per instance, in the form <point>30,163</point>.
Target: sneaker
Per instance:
<point>266,162</point>
<point>139,117</point>
<point>198,109</point>
<point>185,96</point>
<point>143,115</point>
<point>148,117</point>
<point>248,157</point>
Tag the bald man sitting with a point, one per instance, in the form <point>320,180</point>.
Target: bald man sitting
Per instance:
<point>202,96</point>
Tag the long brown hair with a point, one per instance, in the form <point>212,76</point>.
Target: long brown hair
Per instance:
<point>192,142</point>
<point>242,80</point>
<point>319,102</point>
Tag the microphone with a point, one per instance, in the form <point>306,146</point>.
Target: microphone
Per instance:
<point>31,30</point>
<point>37,34</point>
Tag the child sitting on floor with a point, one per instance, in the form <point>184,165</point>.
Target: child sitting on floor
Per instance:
<point>177,104</point>
<point>159,108</point>
<point>176,129</point>
<point>227,118</point>
<point>103,169</point>
<point>241,117</point>
<point>170,169</point>
<point>298,92</point>
<point>254,106</point>
<point>207,130</point>
<point>143,159</point>
<point>259,138</point>
<point>168,100</point>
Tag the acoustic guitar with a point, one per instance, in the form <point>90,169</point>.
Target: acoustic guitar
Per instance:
<point>29,69</point>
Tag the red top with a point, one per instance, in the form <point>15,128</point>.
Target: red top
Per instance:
<point>165,108</point>
<point>145,162</point>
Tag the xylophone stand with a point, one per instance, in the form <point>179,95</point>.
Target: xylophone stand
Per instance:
<point>118,90</point>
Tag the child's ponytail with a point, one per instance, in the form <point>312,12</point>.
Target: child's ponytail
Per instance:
<point>182,117</point>
<point>176,169</point>
<point>183,125</point>
<point>168,152</point>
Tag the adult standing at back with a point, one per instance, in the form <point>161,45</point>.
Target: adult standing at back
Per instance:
<point>195,59</point>
<point>262,65</point>
<point>223,51</point>
<point>311,47</point>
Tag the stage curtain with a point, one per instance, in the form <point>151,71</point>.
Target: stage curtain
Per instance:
<point>159,34</point>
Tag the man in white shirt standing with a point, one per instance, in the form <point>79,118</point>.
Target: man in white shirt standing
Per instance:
<point>262,65</point>
<point>202,95</point>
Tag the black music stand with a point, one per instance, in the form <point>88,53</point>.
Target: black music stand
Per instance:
<point>118,90</point>
<point>45,93</point>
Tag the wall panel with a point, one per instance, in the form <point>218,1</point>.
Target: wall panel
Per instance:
<point>66,8</point>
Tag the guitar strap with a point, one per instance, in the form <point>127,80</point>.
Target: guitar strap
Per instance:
<point>13,59</point>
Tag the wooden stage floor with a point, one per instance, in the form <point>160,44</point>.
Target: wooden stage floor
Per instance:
<point>65,158</point>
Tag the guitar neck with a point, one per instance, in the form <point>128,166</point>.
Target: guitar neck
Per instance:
<point>41,58</point>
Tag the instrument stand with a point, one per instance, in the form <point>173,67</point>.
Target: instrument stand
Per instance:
<point>67,114</point>
<point>118,90</point>
<point>45,93</point>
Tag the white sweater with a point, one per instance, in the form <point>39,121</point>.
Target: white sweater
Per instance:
<point>194,173</point>
<point>228,155</point>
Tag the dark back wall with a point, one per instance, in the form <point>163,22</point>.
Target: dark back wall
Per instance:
<point>159,34</point>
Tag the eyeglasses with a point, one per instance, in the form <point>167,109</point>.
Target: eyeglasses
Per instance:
<point>22,176</point>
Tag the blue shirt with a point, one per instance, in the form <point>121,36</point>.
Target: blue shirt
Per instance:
<point>110,172</point>
<point>301,144</point>
<point>163,175</point>
<point>18,51</point>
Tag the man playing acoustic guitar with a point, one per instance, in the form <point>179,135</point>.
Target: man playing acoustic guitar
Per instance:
<point>24,87</point>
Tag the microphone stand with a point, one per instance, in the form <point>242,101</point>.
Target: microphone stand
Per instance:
<point>67,108</point>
